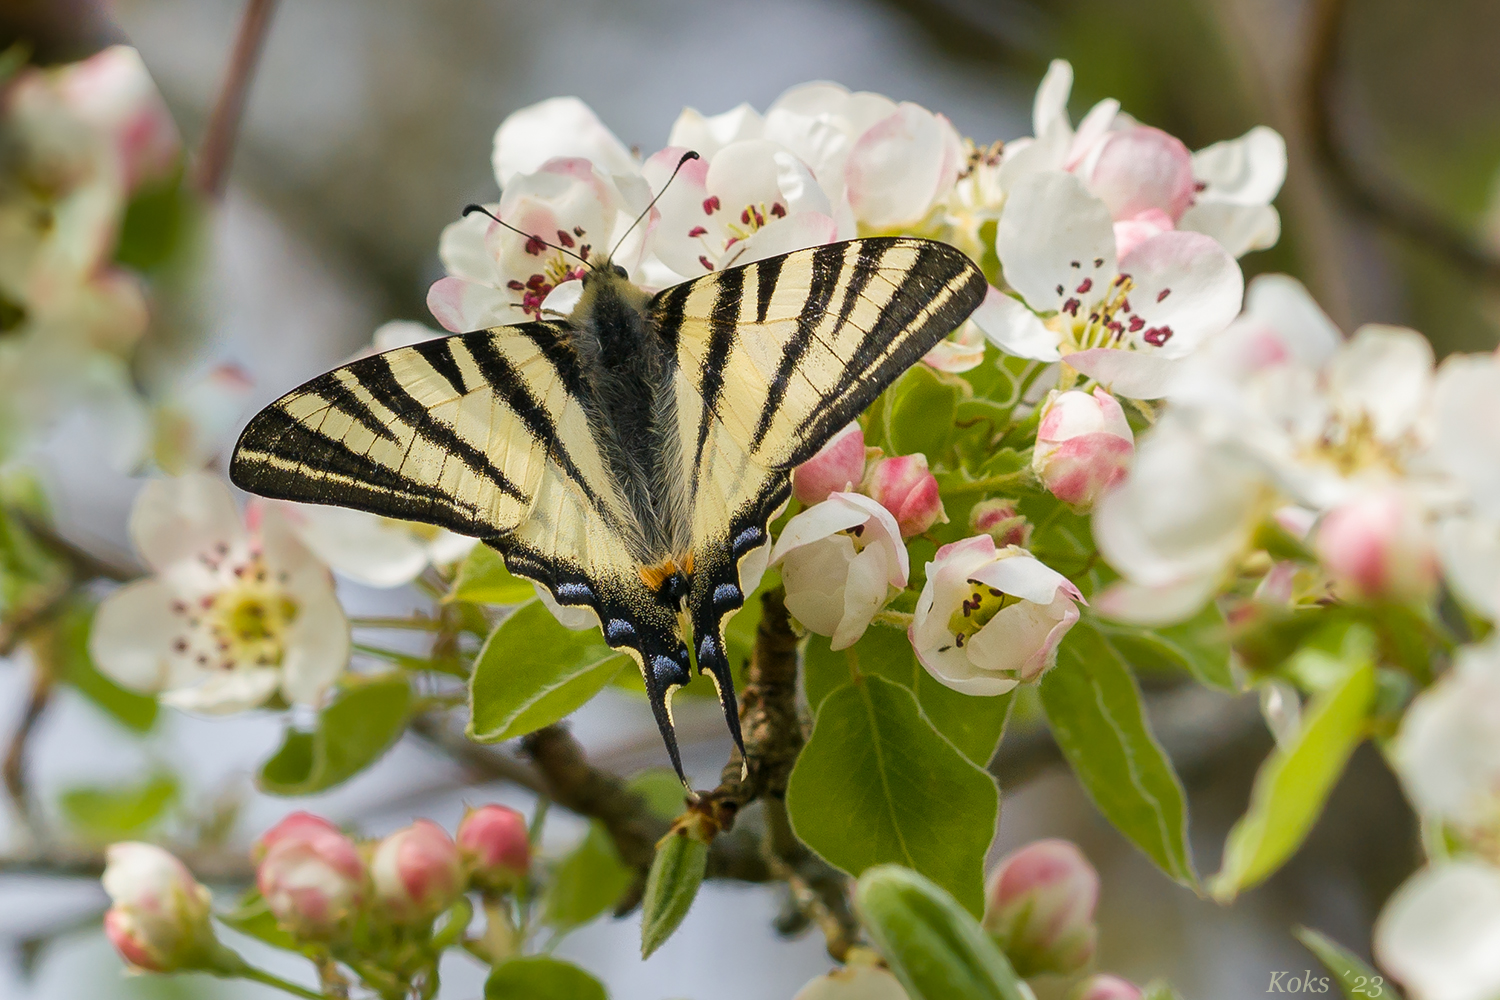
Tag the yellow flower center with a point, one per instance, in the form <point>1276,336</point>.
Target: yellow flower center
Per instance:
<point>977,610</point>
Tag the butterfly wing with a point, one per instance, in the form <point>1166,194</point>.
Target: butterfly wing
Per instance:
<point>773,359</point>
<point>488,434</point>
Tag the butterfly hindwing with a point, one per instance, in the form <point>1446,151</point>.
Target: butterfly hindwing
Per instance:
<point>773,358</point>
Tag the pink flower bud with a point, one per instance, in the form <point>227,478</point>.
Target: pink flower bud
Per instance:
<point>999,519</point>
<point>1040,907</point>
<point>904,486</point>
<point>159,920</point>
<point>837,467</point>
<point>416,872</point>
<point>492,842</point>
<point>1083,446</point>
<point>1143,169</point>
<point>1105,987</point>
<point>1378,547</point>
<point>310,875</point>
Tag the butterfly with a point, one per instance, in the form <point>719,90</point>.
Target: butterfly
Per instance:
<point>629,458</point>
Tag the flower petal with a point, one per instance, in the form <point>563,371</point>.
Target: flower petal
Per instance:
<point>1143,168</point>
<point>131,636</point>
<point>1051,223</point>
<point>1244,171</point>
<point>317,646</point>
<point>1239,229</point>
<point>1026,577</point>
<point>1440,933</point>
<point>560,126</point>
<point>706,135</point>
<point>1185,283</point>
<point>1015,329</point>
<point>1132,374</point>
<point>1384,374</point>
<point>178,519</point>
<point>900,166</point>
<point>226,693</point>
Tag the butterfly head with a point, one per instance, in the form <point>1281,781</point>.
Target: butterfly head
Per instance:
<point>670,580</point>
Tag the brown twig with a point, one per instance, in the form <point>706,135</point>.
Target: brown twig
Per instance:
<point>14,766</point>
<point>481,762</point>
<point>1379,198</point>
<point>211,171</point>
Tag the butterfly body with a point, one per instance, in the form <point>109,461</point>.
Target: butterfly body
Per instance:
<point>630,458</point>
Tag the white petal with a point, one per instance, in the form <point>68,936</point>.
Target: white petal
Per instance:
<point>864,594</point>
<point>464,251</point>
<point>1440,933</point>
<point>1383,373</point>
<point>1026,577</point>
<point>815,576</point>
<point>1185,282</point>
<point>462,306</point>
<point>1447,752</point>
<point>1020,634</point>
<point>317,647</point>
<point>1132,374</point>
<point>795,232</point>
<point>226,693</point>
<point>402,333</point>
<point>1049,109</point>
<point>563,299</point>
<point>1469,549</point>
<point>178,519</point>
<point>132,633</point>
<point>840,512</point>
<point>1239,229</point>
<point>1050,223</point>
<point>707,135</point>
<point>363,547</point>
<point>1015,329</point>
<point>1094,127</point>
<point>1244,171</point>
<point>560,126</point>
<point>900,166</point>
<point>1467,440</point>
<point>1160,605</point>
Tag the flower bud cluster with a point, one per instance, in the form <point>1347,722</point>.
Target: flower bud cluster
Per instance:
<point>320,884</point>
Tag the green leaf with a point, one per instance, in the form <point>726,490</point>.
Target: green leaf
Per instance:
<point>1198,647</point>
<point>973,725</point>
<point>159,222</point>
<point>919,414</point>
<point>877,783</point>
<point>251,916</point>
<point>672,885</point>
<point>587,881</point>
<point>1295,779</point>
<point>1094,709</point>
<point>67,644</point>
<point>109,813</point>
<point>533,671</point>
<point>352,733</point>
<point>1357,981</point>
<point>483,579</point>
<point>539,977</point>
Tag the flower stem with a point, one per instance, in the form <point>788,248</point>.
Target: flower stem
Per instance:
<point>266,978</point>
<point>211,172</point>
<point>416,623</point>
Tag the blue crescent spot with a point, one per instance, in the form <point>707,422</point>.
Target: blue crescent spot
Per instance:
<point>726,593</point>
<point>747,539</point>
<point>706,648</point>
<point>618,631</point>
<point>574,592</point>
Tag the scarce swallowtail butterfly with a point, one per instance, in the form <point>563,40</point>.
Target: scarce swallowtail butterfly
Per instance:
<point>630,457</point>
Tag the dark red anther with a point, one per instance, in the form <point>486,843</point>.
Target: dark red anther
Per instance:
<point>535,245</point>
<point>778,210</point>
<point>1157,335</point>
<point>707,264</point>
<point>515,285</point>
<point>564,239</point>
<point>1163,294</point>
<point>696,232</point>
<point>1084,286</point>
<point>1071,307</point>
<point>710,204</point>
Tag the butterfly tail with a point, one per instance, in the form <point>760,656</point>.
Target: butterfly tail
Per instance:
<point>713,659</point>
<point>664,674</point>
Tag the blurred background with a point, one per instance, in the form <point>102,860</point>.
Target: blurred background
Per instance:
<point>369,125</point>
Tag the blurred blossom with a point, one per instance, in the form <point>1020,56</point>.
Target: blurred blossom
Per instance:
<point>1179,523</point>
<point>310,875</point>
<point>961,352</point>
<point>560,127</point>
<point>839,560</point>
<point>838,467</point>
<point>1102,986</point>
<point>1466,443</point>
<point>1378,547</point>
<point>79,138</point>
<point>1054,144</point>
<point>232,614</point>
<point>907,488</point>
<point>990,618</point>
<point>747,201</point>
<point>1440,933</point>
<point>854,982</point>
<point>999,519</point>
<point>193,420</point>
<point>1124,321</point>
<point>159,920</point>
<point>417,873</point>
<point>1039,905</point>
<point>493,843</point>
<point>1083,445</point>
<point>1447,752</point>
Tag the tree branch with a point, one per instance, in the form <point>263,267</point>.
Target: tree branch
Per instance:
<point>14,766</point>
<point>1379,198</point>
<point>211,171</point>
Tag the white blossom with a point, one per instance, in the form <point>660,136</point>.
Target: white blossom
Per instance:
<point>1440,933</point>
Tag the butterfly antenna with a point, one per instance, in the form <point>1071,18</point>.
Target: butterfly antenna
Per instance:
<point>470,209</point>
<point>689,155</point>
